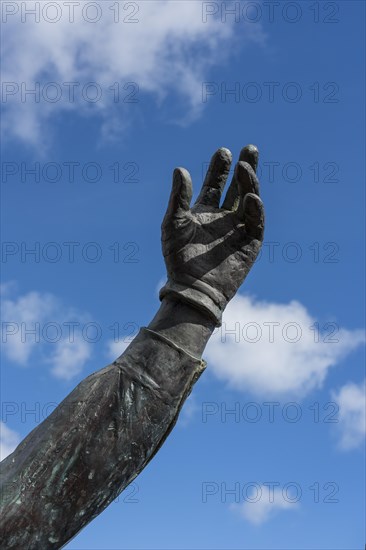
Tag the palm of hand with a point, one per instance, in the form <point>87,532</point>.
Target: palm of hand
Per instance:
<point>208,243</point>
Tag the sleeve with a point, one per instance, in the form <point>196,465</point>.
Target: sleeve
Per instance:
<point>100,437</point>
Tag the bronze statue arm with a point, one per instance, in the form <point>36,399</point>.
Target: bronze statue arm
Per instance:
<point>100,437</point>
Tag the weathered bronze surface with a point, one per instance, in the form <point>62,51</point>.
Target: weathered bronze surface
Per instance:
<point>100,437</point>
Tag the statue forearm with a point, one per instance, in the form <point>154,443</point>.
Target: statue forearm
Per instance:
<point>185,325</point>
<point>74,464</point>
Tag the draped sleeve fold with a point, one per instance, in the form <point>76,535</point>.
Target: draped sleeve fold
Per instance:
<point>98,439</point>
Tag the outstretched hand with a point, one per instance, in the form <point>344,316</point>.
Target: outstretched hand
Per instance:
<point>212,247</point>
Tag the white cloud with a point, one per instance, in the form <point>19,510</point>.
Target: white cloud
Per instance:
<point>116,348</point>
<point>351,400</point>
<point>190,408</point>
<point>37,327</point>
<point>19,318</point>
<point>264,502</point>
<point>69,358</point>
<point>7,288</point>
<point>289,358</point>
<point>9,440</point>
<point>169,50</point>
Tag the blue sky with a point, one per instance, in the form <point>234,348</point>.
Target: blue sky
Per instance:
<point>118,104</point>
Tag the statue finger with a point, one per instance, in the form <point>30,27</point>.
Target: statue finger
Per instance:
<point>180,196</point>
<point>247,183</point>
<point>254,216</point>
<point>215,179</point>
<point>249,155</point>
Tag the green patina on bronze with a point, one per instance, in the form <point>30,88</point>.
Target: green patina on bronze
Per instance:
<point>100,437</point>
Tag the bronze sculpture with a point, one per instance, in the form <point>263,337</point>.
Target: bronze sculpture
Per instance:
<point>100,437</point>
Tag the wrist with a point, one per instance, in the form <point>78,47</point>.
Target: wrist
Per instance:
<point>198,294</point>
<point>185,325</point>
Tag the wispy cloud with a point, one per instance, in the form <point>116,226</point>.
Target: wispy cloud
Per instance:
<point>165,48</point>
<point>276,349</point>
<point>190,408</point>
<point>116,348</point>
<point>263,503</point>
<point>351,399</point>
<point>69,358</point>
<point>9,440</point>
<point>37,327</point>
